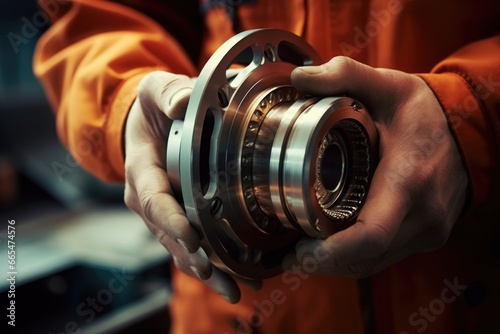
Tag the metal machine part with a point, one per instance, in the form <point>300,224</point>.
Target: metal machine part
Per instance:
<point>258,165</point>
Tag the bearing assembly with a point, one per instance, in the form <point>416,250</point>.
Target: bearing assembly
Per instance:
<point>257,164</point>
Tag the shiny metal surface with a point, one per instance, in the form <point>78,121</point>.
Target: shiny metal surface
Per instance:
<point>257,165</point>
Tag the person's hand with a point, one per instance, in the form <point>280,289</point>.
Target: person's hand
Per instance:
<point>419,186</point>
<point>162,97</point>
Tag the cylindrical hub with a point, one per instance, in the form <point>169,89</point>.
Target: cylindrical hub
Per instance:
<point>311,162</point>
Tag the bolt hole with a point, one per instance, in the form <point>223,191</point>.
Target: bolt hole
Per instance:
<point>256,256</point>
<point>230,241</point>
<point>269,53</point>
<point>216,207</point>
<point>222,96</point>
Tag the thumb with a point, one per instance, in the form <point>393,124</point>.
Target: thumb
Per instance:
<point>371,235</point>
<point>345,76</point>
<point>167,92</point>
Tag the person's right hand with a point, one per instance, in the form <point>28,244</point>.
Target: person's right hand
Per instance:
<point>162,97</point>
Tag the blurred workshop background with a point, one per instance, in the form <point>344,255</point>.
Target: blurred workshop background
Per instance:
<point>83,260</point>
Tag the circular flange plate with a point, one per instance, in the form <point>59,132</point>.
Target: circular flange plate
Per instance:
<point>212,141</point>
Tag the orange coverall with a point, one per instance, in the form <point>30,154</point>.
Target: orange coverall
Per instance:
<point>91,60</point>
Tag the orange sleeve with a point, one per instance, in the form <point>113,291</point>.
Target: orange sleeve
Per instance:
<point>467,84</point>
<point>90,62</point>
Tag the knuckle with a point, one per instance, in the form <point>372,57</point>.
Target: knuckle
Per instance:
<point>342,64</point>
<point>148,82</point>
<point>346,67</point>
<point>147,203</point>
<point>174,85</point>
<point>181,79</point>
<point>143,86</point>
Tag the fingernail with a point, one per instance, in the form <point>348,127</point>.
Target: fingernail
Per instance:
<point>183,245</point>
<point>226,297</point>
<point>203,275</point>
<point>195,271</point>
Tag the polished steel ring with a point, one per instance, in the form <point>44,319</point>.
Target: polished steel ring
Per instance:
<point>257,165</point>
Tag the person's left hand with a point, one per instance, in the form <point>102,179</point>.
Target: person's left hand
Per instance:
<point>419,187</point>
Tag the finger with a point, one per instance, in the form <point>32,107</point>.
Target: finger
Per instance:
<point>176,248</point>
<point>344,76</point>
<point>410,239</point>
<point>219,281</point>
<point>156,202</point>
<point>253,284</point>
<point>167,92</point>
<point>377,224</point>
<point>224,285</point>
<point>195,264</point>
